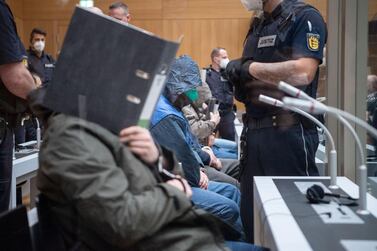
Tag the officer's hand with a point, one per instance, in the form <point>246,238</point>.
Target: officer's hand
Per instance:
<point>233,71</point>
<point>140,143</point>
<point>237,71</point>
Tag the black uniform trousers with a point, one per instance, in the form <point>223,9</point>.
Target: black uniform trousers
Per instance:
<point>274,151</point>
<point>6,162</point>
<point>226,126</point>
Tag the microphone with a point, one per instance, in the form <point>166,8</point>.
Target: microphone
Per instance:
<point>38,133</point>
<point>332,154</point>
<point>293,91</point>
<point>318,108</point>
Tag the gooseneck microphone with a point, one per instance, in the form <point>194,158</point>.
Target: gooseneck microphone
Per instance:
<point>297,93</point>
<point>319,108</point>
<point>38,133</point>
<point>332,154</point>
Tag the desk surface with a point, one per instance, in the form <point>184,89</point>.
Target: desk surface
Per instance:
<point>279,229</point>
<point>24,168</point>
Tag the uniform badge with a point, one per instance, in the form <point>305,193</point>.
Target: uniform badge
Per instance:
<point>24,61</point>
<point>267,41</point>
<point>313,41</point>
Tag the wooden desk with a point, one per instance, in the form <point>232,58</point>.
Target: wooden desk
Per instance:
<point>24,168</point>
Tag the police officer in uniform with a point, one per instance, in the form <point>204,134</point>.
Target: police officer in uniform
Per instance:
<point>284,43</point>
<point>222,90</point>
<point>15,84</point>
<point>39,61</point>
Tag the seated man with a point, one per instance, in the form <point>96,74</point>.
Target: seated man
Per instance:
<point>180,90</point>
<point>170,129</point>
<point>109,192</point>
<point>204,130</point>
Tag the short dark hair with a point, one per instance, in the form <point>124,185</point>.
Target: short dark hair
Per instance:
<point>117,5</point>
<point>37,31</point>
<point>216,52</point>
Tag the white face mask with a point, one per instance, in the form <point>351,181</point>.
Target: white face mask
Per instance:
<point>224,62</point>
<point>39,46</point>
<point>252,4</point>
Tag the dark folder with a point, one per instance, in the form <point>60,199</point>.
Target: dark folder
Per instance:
<point>109,72</point>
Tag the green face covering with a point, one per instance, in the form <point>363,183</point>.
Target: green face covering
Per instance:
<point>193,95</point>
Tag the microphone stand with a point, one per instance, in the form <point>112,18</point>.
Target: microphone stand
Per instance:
<point>332,154</point>
<point>318,108</point>
<point>293,91</point>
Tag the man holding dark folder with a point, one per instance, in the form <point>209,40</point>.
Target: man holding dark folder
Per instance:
<point>111,188</point>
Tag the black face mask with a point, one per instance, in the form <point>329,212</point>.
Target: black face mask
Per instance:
<point>182,101</point>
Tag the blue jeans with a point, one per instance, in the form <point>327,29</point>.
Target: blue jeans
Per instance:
<point>242,246</point>
<point>225,149</point>
<point>221,200</point>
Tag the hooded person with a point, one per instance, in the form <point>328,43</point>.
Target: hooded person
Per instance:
<point>180,91</point>
<point>171,130</point>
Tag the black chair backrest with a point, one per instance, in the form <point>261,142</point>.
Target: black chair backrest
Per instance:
<point>14,230</point>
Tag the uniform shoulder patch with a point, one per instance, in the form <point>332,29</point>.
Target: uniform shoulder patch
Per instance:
<point>313,41</point>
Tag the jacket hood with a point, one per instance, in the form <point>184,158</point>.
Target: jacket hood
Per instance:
<point>184,75</point>
<point>204,94</point>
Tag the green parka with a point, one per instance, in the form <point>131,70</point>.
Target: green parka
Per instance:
<point>104,198</point>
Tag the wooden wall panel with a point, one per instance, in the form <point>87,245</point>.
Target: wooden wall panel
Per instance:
<point>48,9</point>
<point>203,9</point>
<point>204,23</point>
<point>201,36</point>
<point>372,11</point>
<point>145,9</point>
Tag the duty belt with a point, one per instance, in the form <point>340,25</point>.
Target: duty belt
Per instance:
<point>279,120</point>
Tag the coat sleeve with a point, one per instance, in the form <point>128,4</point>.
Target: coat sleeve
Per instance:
<point>85,171</point>
<point>170,134</point>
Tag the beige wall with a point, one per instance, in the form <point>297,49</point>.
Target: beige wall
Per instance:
<point>204,23</point>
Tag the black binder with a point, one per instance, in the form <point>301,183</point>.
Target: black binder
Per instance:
<point>109,72</point>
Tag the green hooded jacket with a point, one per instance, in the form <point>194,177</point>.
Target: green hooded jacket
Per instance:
<point>104,198</point>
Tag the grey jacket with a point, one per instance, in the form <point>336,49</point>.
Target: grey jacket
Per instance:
<point>106,199</point>
<point>200,125</point>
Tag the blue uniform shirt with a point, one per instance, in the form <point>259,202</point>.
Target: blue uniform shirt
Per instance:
<point>44,66</point>
<point>11,48</point>
<point>293,30</point>
<point>11,51</point>
<point>221,89</point>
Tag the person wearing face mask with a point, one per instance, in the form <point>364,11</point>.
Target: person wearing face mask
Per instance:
<point>285,43</point>
<point>222,90</point>
<point>39,61</point>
